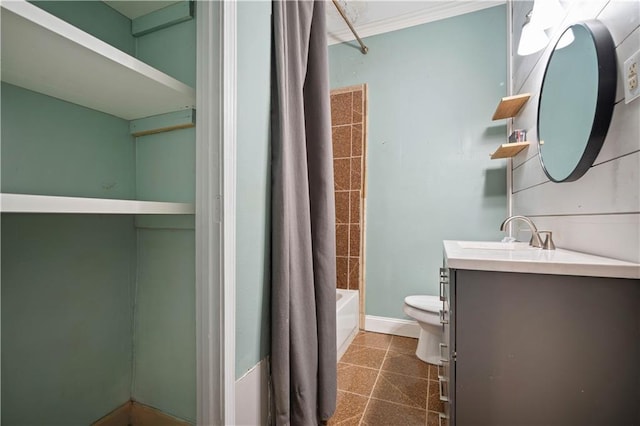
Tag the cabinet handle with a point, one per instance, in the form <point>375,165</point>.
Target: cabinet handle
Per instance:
<point>444,357</point>
<point>443,420</point>
<point>443,320</point>
<point>444,394</point>
<point>442,373</point>
<point>444,280</point>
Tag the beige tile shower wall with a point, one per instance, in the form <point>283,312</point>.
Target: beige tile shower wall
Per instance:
<point>599,213</point>
<point>348,121</point>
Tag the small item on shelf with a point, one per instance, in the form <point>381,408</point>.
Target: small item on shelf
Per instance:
<point>518,135</point>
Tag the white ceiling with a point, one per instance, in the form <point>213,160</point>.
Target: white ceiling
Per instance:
<point>368,17</point>
<point>377,17</point>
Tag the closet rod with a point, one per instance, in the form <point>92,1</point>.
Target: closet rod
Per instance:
<point>364,49</point>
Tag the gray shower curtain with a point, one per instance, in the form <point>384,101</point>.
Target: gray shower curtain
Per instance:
<point>303,289</point>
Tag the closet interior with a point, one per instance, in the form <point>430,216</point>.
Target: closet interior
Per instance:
<point>98,191</point>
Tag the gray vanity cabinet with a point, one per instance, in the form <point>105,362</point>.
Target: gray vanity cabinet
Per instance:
<point>536,349</point>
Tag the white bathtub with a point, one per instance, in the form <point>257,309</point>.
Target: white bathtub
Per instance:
<point>346,319</point>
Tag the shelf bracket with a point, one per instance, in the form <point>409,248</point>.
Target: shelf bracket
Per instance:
<point>183,119</point>
<point>163,18</point>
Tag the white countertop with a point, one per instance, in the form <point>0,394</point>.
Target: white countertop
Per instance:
<point>520,257</point>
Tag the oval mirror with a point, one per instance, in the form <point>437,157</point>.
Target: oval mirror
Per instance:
<point>576,100</point>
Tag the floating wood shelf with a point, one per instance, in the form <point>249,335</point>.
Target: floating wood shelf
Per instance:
<point>508,150</point>
<point>45,54</point>
<point>510,106</point>
<point>27,203</point>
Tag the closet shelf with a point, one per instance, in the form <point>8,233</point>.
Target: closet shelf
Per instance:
<point>508,150</point>
<point>26,203</point>
<point>510,106</point>
<point>45,54</point>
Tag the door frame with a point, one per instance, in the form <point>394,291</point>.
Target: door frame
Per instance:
<point>215,211</point>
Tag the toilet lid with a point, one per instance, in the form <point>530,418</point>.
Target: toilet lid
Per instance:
<point>425,303</point>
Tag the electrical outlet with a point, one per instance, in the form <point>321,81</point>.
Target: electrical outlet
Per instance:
<point>631,89</point>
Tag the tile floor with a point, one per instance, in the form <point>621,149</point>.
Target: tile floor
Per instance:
<point>382,382</point>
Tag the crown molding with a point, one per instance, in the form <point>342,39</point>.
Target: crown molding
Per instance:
<point>410,19</point>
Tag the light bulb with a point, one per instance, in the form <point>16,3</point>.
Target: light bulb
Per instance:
<point>532,39</point>
<point>546,13</point>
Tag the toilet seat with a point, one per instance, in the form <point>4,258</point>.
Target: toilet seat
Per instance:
<point>426,311</point>
<point>424,303</point>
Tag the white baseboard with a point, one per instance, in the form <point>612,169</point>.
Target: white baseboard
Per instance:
<point>252,396</point>
<point>398,327</point>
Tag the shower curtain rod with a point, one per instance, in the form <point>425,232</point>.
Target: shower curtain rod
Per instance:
<point>364,49</point>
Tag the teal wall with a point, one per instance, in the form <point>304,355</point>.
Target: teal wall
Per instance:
<point>97,309</point>
<point>67,280</point>
<point>432,91</point>
<point>95,18</point>
<point>40,135</point>
<point>164,335</point>
<point>165,166</point>
<point>253,183</point>
<point>67,300</point>
<point>165,331</point>
<point>171,50</point>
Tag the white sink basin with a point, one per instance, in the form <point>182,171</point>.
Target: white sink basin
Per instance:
<point>494,245</point>
<point>520,257</point>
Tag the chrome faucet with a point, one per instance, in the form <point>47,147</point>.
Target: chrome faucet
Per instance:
<point>535,235</point>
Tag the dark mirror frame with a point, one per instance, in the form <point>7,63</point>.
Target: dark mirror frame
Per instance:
<point>607,79</point>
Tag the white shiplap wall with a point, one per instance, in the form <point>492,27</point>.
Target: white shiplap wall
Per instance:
<point>600,212</point>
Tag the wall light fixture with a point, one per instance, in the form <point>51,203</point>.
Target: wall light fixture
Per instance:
<point>544,15</point>
<point>532,37</point>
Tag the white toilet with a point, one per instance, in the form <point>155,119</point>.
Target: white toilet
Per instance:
<point>426,310</point>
